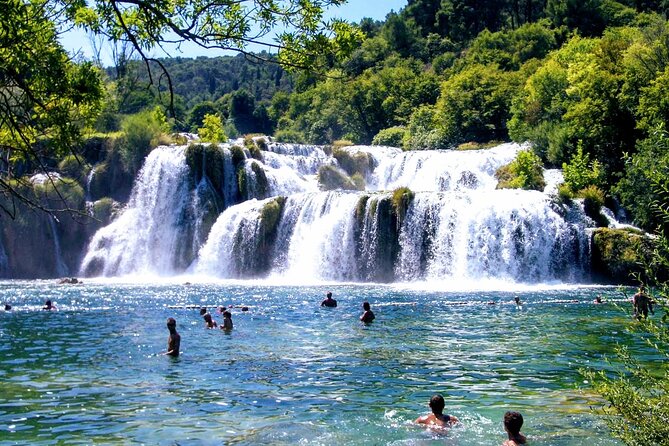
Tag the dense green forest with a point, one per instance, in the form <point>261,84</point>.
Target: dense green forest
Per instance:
<point>585,82</point>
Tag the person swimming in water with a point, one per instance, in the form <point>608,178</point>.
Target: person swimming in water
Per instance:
<point>48,306</point>
<point>437,417</point>
<point>368,315</point>
<point>513,421</point>
<point>329,301</point>
<point>209,321</point>
<point>174,339</point>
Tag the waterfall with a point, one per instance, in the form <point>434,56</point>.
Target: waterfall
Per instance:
<point>145,237</point>
<point>89,180</point>
<point>4,259</point>
<point>452,225</point>
<point>61,268</point>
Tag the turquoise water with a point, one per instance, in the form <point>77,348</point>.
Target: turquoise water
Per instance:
<point>292,372</point>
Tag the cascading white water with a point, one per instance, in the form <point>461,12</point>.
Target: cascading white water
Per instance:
<point>500,234</point>
<point>440,170</point>
<point>61,267</point>
<point>144,238</point>
<point>89,180</point>
<point>316,238</point>
<point>238,225</point>
<point>457,227</point>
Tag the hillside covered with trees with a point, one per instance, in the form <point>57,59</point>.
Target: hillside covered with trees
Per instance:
<point>585,82</point>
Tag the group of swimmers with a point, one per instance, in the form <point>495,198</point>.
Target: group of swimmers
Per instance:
<point>367,315</point>
<point>513,421</point>
<point>209,321</point>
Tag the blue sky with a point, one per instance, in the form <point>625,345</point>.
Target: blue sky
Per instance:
<point>77,41</point>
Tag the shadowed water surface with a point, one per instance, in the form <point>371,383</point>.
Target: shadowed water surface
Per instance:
<point>292,372</point>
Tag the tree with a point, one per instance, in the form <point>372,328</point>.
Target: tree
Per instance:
<point>46,98</point>
<point>49,99</point>
<point>212,129</point>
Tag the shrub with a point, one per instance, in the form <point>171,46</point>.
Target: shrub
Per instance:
<point>289,136</point>
<point>392,137</point>
<point>525,172</point>
<point>140,133</point>
<point>340,143</point>
<point>593,200</point>
<point>565,193</point>
<point>580,172</point>
<point>212,129</point>
<point>478,145</point>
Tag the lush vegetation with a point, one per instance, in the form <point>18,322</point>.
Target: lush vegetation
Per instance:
<point>637,392</point>
<point>50,101</point>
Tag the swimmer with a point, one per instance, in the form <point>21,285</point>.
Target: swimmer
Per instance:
<point>48,306</point>
<point>513,421</point>
<point>227,321</point>
<point>174,339</point>
<point>8,307</point>
<point>203,311</point>
<point>209,322</point>
<point>598,299</point>
<point>368,315</point>
<point>517,301</point>
<point>329,301</point>
<point>437,417</point>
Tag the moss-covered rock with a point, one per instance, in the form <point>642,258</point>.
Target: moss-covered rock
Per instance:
<point>332,178</point>
<point>401,199</point>
<point>238,155</point>
<point>41,244</point>
<point>74,167</point>
<point>618,254</point>
<point>104,210</point>
<point>253,147</point>
<point>357,163</point>
<point>206,160</point>
<point>111,179</point>
<point>593,200</point>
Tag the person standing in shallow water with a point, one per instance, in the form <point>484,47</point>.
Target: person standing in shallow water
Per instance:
<point>368,315</point>
<point>329,301</point>
<point>227,321</point>
<point>513,421</point>
<point>174,339</point>
<point>437,417</point>
<point>642,303</point>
